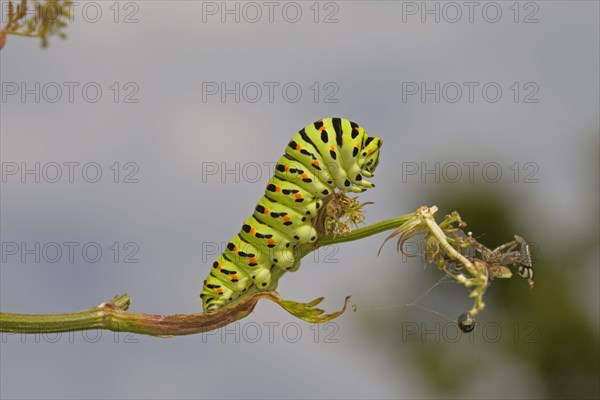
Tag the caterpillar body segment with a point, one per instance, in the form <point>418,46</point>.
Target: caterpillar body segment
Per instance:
<point>285,219</point>
<point>293,196</point>
<point>243,253</point>
<point>230,274</point>
<point>274,247</point>
<point>307,178</point>
<point>330,154</point>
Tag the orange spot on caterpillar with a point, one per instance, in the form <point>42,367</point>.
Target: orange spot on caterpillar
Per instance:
<point>252,231</point>
<point>357,146</point>
<point>278,188</point>
<point>298,147</point>
<point>219,267</point>
<point>286,168</point>
<point>252,260</point>
<point>315,162</point>
<point>322,128</point>
<point>304,175</point>
<point>234,276</point>
<point>369,151</point>
<point>286,218</point>
<point>219,290</point>
<point>331,148</point>
<point>270,241</point>
<point>298,195</point>
<point>267,211</point>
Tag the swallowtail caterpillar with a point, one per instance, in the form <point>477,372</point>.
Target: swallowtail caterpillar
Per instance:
<point>330,154</point>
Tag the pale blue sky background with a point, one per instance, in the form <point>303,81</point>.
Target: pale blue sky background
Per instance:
<point>171,214</point>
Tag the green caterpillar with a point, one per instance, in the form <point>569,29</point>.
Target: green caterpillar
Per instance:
<point>332,153</point>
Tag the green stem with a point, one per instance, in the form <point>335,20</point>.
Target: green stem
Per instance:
<point>113,315</point>
<point>368,230</point>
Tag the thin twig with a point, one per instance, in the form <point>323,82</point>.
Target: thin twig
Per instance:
<point>113,316</point>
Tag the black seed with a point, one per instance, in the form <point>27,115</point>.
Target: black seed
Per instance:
<point>466,322</point>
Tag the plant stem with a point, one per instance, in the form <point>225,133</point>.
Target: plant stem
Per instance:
<point>368,230</point>
<point>113,315</point>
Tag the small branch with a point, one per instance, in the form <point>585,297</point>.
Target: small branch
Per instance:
<point>113,315</point>
<point>451,258</point>
<point>368,230</point>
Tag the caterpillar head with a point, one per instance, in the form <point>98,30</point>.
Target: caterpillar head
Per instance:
<point>370,155</point>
